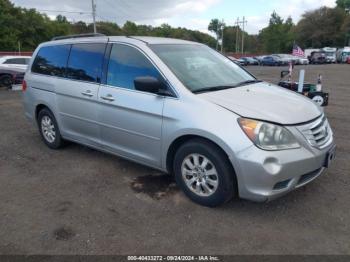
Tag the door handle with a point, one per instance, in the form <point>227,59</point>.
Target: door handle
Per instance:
<point>87,93</point>
<point>108,97</point>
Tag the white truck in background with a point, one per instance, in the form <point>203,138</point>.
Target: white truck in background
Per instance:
<point>308,51</point>
<point>331,54</point>
<point>343,54</point>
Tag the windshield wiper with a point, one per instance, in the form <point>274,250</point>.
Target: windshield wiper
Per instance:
<point>223,87</point>
<point>213,88</point>
<point>248,82</point>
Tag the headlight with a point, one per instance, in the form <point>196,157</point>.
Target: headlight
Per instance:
<point>268,136</point>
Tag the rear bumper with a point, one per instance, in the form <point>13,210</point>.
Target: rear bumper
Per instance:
<point>266,175</point>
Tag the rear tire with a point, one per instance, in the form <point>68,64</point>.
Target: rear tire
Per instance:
<point>6,81</point>
<point>49,130</point>
<point>203,172</point>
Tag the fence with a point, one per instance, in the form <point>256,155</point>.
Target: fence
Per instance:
<point>15,53</point>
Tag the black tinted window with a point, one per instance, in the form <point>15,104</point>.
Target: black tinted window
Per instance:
<point>51,60</point>
<point>85,62</point>
<point>125,64</point>
<point>16,61</point>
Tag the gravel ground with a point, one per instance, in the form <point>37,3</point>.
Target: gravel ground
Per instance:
<point>80,201</point>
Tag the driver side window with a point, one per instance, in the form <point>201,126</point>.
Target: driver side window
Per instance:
<point>125,64</point>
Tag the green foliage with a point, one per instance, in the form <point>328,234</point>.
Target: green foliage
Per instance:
<point>323,27</point>
<point>216,26</point>
<point>317,28</point>
<point>279,36</point>
<point>31,28</point>
<point>27,26</point>
<point>343,3</point>
<point>230,38</point>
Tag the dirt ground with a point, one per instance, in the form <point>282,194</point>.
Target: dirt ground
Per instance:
<point>80,201</point>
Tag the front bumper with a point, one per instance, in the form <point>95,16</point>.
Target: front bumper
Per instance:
<point>266,175</point>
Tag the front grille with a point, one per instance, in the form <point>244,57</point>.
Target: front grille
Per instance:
<point>318,133</point>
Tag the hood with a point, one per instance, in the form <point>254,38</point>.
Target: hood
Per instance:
<point>266,102</point>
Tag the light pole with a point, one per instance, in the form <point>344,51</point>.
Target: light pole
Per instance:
<point>243,24</point>
<point>94,15</point>
<point>222,35</point>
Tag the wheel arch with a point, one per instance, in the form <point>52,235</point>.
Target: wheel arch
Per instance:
<point>180,140</point>
<point>39,107</point>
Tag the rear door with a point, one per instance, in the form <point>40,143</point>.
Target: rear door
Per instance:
<point>131,121</point>
<point>77,93</point>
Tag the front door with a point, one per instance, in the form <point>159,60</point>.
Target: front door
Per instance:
<point>130,120</point>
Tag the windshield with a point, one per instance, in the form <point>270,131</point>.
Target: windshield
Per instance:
<point>200,68</point>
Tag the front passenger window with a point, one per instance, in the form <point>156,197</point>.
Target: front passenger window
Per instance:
<point>125,64</point>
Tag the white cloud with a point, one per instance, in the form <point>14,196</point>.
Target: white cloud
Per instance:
<point>184,13</point>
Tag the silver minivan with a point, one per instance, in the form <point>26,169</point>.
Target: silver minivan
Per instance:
<point>179,107</point>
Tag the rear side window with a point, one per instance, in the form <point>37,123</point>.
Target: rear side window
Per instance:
<point>125,64</point>
<point>16,61</point>
<point>51,60</point>
<point>85,62</point>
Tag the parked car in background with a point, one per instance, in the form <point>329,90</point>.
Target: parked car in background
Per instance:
<point>301,60</point>
<point>179,107</point>
<point>308,51</point>
<point>10,76</point>
<point>348,60</point>
<point>237,61</point>
<point>272,61</point>
<point>250,61</point>
<point>331,54</point>
<point>286,58</point>
<point>318,57</point>
<point>14,61</point>
<point>259,58</point>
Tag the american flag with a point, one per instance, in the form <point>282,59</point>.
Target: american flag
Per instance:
<point>297,51</point>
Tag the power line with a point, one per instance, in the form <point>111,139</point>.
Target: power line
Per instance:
<point>238,23</point>
<point>62,11</point>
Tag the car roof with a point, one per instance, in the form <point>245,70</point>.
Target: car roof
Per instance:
<point>159,40</point>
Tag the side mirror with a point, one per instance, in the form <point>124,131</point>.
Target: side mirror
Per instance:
<point>148,84</point>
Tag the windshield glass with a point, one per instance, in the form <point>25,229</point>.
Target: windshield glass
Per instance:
<point>200,68</point>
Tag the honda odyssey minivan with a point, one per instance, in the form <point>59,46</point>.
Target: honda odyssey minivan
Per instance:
<point>179,107</point>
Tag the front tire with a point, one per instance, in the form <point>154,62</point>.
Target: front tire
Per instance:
<point>203,172</point>
<point>49,130</point>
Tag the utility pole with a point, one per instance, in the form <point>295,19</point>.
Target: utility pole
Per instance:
<point>94,15</point>
<point>244,22</point>
<point>222,35</point>
<point>217,35</point>
<point>237,31</point>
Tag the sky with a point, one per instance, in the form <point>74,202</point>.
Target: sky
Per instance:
<point>192,14</point>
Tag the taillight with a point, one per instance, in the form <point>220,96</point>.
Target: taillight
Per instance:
<point>24,85</point>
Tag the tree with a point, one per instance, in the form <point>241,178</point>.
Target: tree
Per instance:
<point>322,27</point>
<point>279,36</point>
<point>130,28</point>
<point>216,27</point>
<point>343,4</point>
